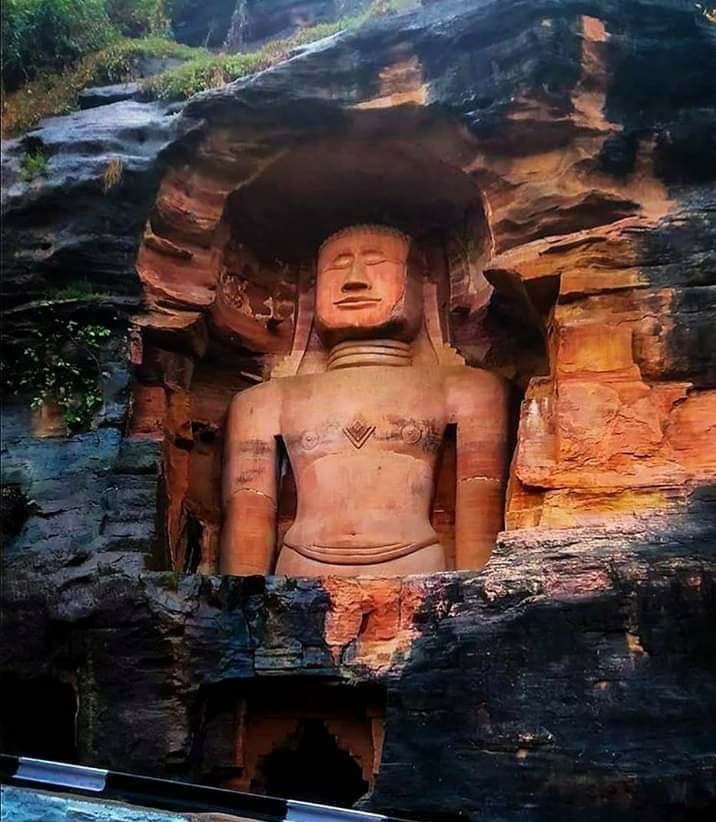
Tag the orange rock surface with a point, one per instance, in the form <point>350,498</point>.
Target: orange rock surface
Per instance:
<point>544,267</point>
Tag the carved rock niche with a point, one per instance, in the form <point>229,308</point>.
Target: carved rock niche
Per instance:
<point>228,264</point>
<point>292,738</point>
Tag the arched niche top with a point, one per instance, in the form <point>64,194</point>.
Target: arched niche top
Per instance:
<point>324,185</point>
<point>233,225</point>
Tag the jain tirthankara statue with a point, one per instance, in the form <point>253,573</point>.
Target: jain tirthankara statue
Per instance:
<point>363,436</point>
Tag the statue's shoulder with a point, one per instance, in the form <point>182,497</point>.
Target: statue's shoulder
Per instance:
<point>467,375</point>
<point>473,387</point>
<point>264,395</point>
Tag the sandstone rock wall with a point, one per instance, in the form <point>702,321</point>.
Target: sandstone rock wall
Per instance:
<point>580,266</point>
<point>575,674</point>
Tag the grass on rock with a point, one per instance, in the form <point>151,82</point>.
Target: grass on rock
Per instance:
<point>77,290</point>
<point>51,93</point>
<point>209,70</point>
<point>32,164</point>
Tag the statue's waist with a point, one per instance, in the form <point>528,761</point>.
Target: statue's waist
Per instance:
<point>351,554</point>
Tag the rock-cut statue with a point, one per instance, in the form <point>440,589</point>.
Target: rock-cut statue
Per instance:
<point>363,436</point>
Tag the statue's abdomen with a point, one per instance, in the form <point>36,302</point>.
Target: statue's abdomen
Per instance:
<point>376,503</point>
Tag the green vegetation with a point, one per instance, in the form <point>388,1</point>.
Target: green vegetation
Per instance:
<point>44,35</point>
<point>57,93</point>
<point>209,70</point>
<point>137,18</point>
<point>52,49</point>
<point>78,290</point>
<point>121,61</point>
<point>48,35</point>
<point>60,363</point>
<point>32,164</point>
<point>52,93</point>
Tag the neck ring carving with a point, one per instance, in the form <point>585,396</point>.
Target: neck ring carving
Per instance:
<point>354,353</point>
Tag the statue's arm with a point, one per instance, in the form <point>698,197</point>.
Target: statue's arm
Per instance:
<point>480,406</point>
<point>250,481</point>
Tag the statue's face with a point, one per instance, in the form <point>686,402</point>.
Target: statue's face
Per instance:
<point>364,288</point>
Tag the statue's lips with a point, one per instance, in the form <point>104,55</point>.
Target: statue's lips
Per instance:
<point>356,302</point>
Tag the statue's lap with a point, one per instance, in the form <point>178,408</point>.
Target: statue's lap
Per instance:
<point>428,560</point>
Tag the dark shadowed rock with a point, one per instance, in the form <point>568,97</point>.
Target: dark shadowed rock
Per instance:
<point>199,23</point>
<point>104,95</point>
<point>575,675</point>
<point>82,216</point>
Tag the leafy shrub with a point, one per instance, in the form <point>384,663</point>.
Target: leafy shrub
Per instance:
<point>51,35</point>
<point>137,18</point>
<point>32,164</point>
<point>41,35</point>
<point>53,93</point>
<point>60,362</point>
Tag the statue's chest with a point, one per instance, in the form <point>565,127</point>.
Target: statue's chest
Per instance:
<point>383,412</point>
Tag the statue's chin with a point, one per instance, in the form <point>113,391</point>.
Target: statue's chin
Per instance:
<point>395,329</point>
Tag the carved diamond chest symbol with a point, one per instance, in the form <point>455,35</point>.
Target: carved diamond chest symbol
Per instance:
<point>358,432</point>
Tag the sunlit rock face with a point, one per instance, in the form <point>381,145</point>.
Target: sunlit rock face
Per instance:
<point>557,161</point>
<point>570,235</point>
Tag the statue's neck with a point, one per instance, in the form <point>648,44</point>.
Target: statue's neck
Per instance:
<point>354,353</point>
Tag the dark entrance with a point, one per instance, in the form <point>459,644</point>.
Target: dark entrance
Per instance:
<point>311,767</point>
<point>38,718</point>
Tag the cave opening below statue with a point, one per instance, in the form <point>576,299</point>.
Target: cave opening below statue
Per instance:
<point>312,768</point>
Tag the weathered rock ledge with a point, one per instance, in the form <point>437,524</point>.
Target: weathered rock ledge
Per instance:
<point>527,690</point>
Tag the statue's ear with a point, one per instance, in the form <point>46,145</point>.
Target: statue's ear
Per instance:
<point>303,326</point>
<point>443,352</point>
<point>417,262</point>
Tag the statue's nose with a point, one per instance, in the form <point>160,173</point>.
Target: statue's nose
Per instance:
<point>356,279</point>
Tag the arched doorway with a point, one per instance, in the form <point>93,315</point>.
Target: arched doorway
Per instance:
<point>311,767</point>
<point>295,738</point>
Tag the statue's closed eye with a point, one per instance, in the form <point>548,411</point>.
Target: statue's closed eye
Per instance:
<point>346,260</point>
<point>342,261</point>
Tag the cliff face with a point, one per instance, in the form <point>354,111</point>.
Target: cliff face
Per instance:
<point>240,25</point>
<point>236,24</point>
<point>573,676</point>
<point>565,154</point>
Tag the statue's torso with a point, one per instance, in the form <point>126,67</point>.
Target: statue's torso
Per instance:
<point>363,444</point>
